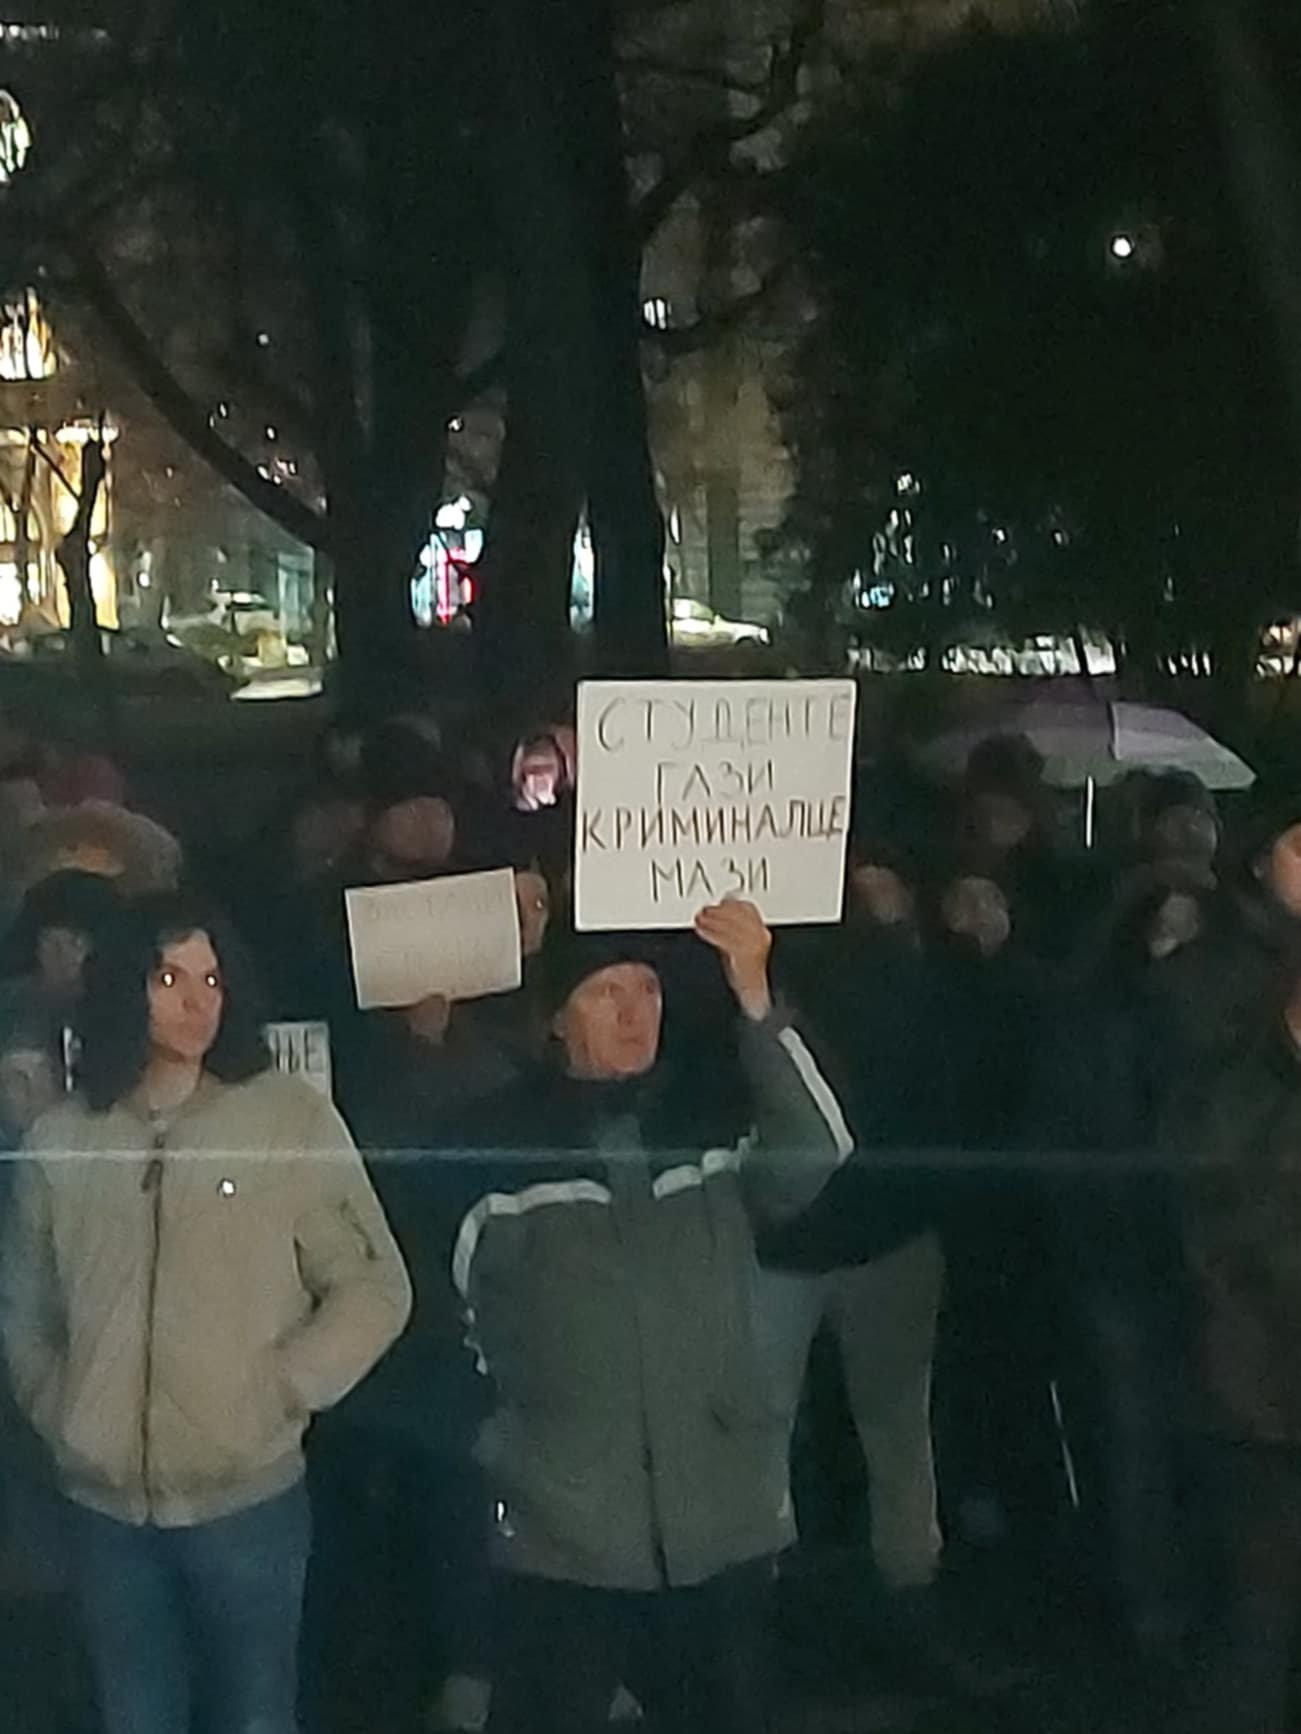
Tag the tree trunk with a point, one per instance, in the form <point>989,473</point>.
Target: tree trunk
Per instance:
<point>522,612</point>
<point>73,555</point>
<point>521,623</point>
<point>623,507</point>
<point>371,564</point>
<point>1264,165</point>
<point>1235,645</point>
<point>576,381</point>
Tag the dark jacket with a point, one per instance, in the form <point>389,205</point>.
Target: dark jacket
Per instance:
<point>1107,1058</point>
<point>608,1281</point>
<point>1242,1234</point>
<point>864,998</point>
<point>411,1104</point>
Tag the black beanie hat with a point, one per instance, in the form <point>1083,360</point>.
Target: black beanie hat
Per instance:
<point>568,958</point>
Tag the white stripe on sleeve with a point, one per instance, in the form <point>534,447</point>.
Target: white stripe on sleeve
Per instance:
<point>819,1089</point>
<point>516,1204</point>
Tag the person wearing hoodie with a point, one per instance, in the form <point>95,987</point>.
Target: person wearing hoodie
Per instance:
<point>865,1257</point>
<point>1106,1062</point>
<point>996,1431</point>
<point>607,1271</point>
<point>194,1265</point>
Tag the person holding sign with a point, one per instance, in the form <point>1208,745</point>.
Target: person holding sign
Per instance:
<point>608,1274</point>
<point>194,1265</point>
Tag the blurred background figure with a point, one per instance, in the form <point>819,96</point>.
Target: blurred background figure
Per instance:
<point>1242,1229</point>
<point>44,955</point>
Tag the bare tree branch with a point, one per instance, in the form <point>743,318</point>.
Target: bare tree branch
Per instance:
<point>661,66</point>
<point>188,419</point>
<point>708,152</point>
<point>53,462</point>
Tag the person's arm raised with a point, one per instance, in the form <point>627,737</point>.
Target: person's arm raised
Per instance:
<point>802,1135</point>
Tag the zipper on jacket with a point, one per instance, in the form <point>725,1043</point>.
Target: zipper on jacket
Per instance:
<point>151,1183</point>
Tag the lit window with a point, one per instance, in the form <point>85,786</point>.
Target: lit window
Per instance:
<point>656,313</point>
<point>26,341</point>
<point>15,138</point>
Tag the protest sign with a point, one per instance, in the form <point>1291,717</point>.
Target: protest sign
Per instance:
<point>302,1050</point>
<point>692,791</point>
<point>458,937</point>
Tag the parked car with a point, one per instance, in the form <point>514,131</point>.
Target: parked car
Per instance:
<point>140,663</point>
<point>240,632</point>
<point>242,612</point>
<point>695,625</point>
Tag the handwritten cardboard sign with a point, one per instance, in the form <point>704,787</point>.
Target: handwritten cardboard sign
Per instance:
<point>692,791</point>
<point>458,937</point>
<point>302,1050</point>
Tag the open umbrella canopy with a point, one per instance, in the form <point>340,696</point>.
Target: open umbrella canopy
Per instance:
<point>1086,739</point>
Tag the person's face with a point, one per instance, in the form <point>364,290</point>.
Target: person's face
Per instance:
<point>413,839</point>
<point>1176,924</point>
<point>883,896</point>
<point>534,901</point>
<point>976,909</point>
<point>61,954</point>
<point>186,1000</point>
<point>1281,871</point>
<point>1001,821</point>
<point>29,1084</point>
<point>539,773</point>
<point>610,1024</point>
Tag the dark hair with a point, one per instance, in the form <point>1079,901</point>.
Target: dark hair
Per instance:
<point>114,1020</point>
<point>403,757</point>
<point>1005,764</point>
<point>1157,792</point>
<point>80,902</point>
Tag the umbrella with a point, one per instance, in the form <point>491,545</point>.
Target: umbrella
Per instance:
<point>1092,740</point>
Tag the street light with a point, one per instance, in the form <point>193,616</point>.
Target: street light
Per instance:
<point>1123,247</point>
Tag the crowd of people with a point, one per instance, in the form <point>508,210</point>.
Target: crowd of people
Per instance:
<point>995,1177</point>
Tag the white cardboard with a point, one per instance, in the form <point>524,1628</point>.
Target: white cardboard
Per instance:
<point>302,1050</point>
<point>458,937</point>
<point>692,791</point>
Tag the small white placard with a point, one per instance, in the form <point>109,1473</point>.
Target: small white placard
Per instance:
<point>692,791</point>
<point>458,937</point>
<point>302,1050</point>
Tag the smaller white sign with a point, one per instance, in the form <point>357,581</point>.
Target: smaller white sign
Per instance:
<point>458,937</point>
<point>302,1050</point>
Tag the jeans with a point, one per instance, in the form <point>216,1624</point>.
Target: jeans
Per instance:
<point>694,1658</point>
<point>198,1622</point>
<point>885,1315</point>
<point>399,1588</point>
<point>1129,1342</point>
